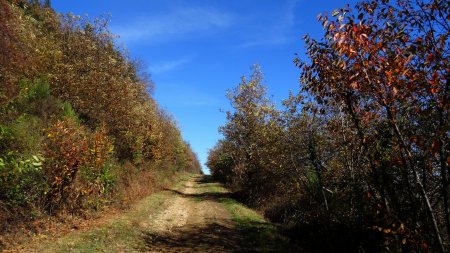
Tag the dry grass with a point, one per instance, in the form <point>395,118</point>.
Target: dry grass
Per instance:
<point>20,225</point>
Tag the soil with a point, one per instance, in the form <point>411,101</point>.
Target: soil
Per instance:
<point>191,225</point>
<point>188,218</point>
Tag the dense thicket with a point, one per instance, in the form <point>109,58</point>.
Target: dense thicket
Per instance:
<point>359,159</point>
<point>78,125</point>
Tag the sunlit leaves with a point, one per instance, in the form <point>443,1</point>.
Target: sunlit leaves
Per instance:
<point>366,139</point>
<point>91,100</point>
<point>385,65</point>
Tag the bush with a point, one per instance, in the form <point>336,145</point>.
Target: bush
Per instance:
<point>97,177</point>
<point>78,165</point>
<point>65,149</point>
<point>38,89</point>
<point>27,134</point>
<point>21,180</point>
<point>35,99</point>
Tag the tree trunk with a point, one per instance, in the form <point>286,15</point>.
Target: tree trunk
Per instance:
<point>421,187</point>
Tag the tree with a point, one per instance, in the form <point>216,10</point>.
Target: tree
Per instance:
<point>387,66</point>
<point>251,132</point>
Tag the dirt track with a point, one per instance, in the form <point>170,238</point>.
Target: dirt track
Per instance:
<point>191,222</point>
<point>198,215</point>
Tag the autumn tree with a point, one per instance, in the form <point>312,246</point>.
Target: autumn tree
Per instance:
<point>251,132</point>
<point>364,145</point>
<point>387,66</point>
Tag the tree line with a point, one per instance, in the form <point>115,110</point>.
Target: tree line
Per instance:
<point>78,125</point>
<point>358,159</point>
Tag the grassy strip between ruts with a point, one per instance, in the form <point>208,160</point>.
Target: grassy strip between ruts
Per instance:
<point>119,235</point>
<point>260,235</point>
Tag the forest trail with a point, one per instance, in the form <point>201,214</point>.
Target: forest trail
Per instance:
<point>197,215</point>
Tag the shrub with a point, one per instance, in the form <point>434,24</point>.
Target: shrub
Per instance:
<point>97,177</point>
<point>78,165</point>
<point>21,180</point>
<point>35,90</point>
<point>26,134</point>
<point>68,111</point>
<point>35,99</point>
<point>65,149</point>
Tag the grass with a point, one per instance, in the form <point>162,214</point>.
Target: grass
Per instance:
<point>260,235</point>
<point>125,232</point>
<point>121,234</point>
<point>183,178</point>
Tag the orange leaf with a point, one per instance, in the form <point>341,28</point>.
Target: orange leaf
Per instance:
<point>354,85</point>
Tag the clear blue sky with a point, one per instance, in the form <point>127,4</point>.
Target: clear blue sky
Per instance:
<point>196,50</point>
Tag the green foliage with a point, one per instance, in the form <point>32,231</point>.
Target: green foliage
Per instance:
<point>35,90</point>
<point>21,180</point>
<point>311,180</point>
<point>5,137</point>
<point>26,134</point>
<point>68,111</point>
<point>107,178</point>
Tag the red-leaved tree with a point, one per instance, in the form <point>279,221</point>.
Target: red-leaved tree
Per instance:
<point>386,63</point>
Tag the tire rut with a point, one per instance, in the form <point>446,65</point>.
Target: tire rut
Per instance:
<point>192,222</point>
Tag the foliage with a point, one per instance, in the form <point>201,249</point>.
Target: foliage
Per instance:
<point>21,179</point>
<point>220,163</point>
<point>71,96</point>
<point>386,66</point>
<point>362,151</point>
<point>251,134</point>
<point>65,149</point>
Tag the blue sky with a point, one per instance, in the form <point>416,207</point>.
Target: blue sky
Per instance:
<point>196,50</point>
